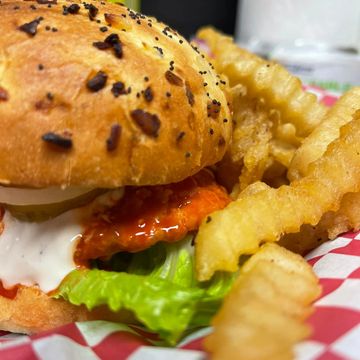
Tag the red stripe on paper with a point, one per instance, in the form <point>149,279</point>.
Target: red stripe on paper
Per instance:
<point>119,345</point>
<point>330,323</point>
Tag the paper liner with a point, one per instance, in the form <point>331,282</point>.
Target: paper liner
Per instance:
<point>335,323</point>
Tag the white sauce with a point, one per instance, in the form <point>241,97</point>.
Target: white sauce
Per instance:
<point>42,253</point>
<point>38,253</point>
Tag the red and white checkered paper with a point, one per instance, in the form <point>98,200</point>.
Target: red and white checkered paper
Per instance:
<point>335,323</point>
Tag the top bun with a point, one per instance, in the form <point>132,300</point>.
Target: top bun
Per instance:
<point>94,94</point>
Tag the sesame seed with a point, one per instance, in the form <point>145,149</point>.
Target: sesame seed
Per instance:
<point>102,45</point>
<point>148,94</point>
<point>114,41</point>
<point>173,79</point>
<point>98,82</point>
<point>31,27</point>
<point>118,89</point>
<point>50,96</point>
<point>159,49</point>
<point>213,109</point>
<point>72,9</point>
<point>59,141</point>
<point>189,95</point>
<point>180,136</point>
<point>148,123</point>
<point>113,139</point>
<point>93,11</point>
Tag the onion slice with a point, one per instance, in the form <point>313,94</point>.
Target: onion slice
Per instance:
<point>50,195</point>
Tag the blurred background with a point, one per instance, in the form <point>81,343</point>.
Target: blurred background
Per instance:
<point>187,16</point>
<point>317,40</point>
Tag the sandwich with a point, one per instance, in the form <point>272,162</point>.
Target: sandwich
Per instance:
<point>110,122</point>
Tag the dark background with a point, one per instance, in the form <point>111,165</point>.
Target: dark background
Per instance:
<point>187,16</point>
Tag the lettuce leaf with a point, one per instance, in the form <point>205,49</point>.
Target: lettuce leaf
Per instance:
<point>158,285</point>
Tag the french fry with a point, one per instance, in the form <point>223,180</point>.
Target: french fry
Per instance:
<point>272,114</point>
<point>280,90</point>
<point>348,216</point>
<point>329,227</point>
<point>316,143</point>
<point>262,317</point>
<point>259,142</point>
<point>266,215</point>
<point>249,153</point>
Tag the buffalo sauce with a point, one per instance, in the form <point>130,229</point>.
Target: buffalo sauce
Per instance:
<point>147,215</point>
<point>9,293</point>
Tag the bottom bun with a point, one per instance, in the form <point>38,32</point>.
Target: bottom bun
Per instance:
<point>32,311</point>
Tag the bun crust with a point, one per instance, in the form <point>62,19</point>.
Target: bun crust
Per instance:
<point>33,311</point>
<point>64,123</point>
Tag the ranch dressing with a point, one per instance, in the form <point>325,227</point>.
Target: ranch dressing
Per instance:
<point>38,253</point>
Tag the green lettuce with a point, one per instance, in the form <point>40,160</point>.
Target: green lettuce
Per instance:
<point>158,285</point>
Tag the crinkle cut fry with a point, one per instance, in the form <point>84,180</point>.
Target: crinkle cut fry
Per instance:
<point>281,286</point>
<point>268,80</point>
<point>329,227</point>
<point>316,143</point>
<point>266,215</point>
<point>348,216</point>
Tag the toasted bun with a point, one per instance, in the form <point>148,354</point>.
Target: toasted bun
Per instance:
<point>62,127</point>
<point>33,311</point>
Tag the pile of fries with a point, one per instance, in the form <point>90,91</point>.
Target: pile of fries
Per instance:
<point>293,170</point>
